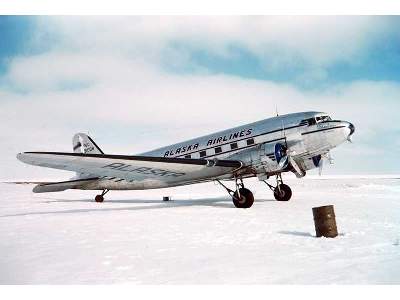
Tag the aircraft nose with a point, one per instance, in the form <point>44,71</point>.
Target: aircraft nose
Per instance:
<point>352,128</point>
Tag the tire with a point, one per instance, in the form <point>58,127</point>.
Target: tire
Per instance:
<point>285,193</point>
<point>99,198</point>
<point>246,199</point>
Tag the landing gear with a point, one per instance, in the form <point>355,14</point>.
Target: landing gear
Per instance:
<point>100,198</point>
<point>242,197</point>
<point>282,192</point>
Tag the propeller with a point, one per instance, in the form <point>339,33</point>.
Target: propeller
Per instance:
<point>284,157</point>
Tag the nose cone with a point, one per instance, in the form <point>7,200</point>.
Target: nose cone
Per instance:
<point>352,128</point>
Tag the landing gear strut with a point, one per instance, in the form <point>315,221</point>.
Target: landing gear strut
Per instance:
<point>100,198</point>
<point>242,197</point>
<point>282,192</point>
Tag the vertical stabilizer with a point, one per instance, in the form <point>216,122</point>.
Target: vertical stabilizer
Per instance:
<point>82,143</point>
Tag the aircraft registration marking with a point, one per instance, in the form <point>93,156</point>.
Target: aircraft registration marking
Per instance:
<point>143,170</point>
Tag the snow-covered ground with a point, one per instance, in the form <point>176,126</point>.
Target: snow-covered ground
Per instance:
<point>133,237</point>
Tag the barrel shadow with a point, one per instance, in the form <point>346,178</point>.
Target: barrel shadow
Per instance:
<point>297,233</point>
<point>304,234</point>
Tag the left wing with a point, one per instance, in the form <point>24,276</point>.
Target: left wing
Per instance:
<point>133,168</point>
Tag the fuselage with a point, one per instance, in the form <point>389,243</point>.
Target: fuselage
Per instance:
<point>307,135</point>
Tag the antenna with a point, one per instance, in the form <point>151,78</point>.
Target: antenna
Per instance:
<point>283,129</point>
<point>276,109</point>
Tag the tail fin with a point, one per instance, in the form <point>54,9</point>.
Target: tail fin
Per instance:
<point>83,143</point>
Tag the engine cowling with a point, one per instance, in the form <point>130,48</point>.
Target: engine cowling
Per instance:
<point>273,157</point>
<point>281,159</point>
<point>269,158</point>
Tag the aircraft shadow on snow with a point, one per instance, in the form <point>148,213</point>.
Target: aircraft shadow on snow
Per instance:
<point>213,202</point>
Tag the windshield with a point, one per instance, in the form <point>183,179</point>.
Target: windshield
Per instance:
<point>313,121</point>
<point>323,119</point>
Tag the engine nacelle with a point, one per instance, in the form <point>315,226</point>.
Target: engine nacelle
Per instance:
<point>264,156</point>
<point>273,157</point>
<point>269,158</point>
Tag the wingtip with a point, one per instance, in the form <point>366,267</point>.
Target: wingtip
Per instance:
<point>20,156</point>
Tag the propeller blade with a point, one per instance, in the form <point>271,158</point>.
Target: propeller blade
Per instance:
<point>320,166</point>
<point>283,162</point>
<point>329,157</point>
<point>299,173</point>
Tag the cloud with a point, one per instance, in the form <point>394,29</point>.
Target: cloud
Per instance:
<point>135,94</point>
<point>104,75</point>
<point>277,40</point>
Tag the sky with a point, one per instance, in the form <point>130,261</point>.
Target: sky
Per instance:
<point>138,83</point>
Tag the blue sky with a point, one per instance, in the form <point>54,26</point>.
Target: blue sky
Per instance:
<point>132,82</point>
<point>13,31</point>
<point>381,61</point>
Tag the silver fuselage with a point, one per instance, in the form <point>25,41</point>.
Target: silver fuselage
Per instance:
<point>251,144</point>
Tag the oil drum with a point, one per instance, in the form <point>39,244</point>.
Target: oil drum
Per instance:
<point>325,221</point>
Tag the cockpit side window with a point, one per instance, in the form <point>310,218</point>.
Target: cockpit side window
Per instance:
<point>308,122</point>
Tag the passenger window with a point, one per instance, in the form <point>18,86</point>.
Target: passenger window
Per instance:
<point>218,150</point>
<point>234,146</point>
<point>250,142</point>
<point>203,153</point>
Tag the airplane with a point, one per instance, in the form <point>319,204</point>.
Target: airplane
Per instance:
<point>295,143</point>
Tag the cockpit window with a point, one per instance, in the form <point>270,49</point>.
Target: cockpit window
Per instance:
<point>313,121</point>
<point>308,122</point>
<point>323,119</point>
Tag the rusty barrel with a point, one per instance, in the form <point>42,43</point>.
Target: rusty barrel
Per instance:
<point>325,222</point>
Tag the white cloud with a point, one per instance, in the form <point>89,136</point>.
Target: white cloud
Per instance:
<point>132,92</point>
<point>135,94</point>
<point>279,40</point>
<point>130,104</point>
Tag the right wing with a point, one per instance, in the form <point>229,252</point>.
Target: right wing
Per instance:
<point>47,186</point>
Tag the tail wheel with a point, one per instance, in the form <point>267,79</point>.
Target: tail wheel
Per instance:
<point>99,198</point>
<point>282,192</point>
<point>245,200</point>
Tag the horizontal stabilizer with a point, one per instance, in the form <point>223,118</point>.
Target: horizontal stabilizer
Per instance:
<point>62,186</point>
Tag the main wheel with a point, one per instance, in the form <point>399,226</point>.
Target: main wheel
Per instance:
<point>99,198</point>
<point>283,193</point>
<point>245,200</point>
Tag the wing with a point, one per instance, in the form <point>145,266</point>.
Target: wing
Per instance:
<point>157,171</point>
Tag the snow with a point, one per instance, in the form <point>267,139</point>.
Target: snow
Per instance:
<point>200,238</point>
